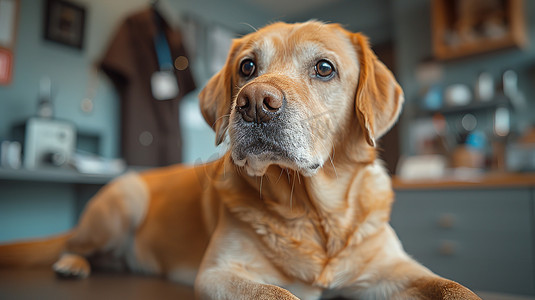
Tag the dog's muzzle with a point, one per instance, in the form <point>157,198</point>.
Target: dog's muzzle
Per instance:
<point>266,131</point>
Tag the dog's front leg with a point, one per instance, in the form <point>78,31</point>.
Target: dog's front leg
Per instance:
<point>221,284</point>
<point>234,267</point>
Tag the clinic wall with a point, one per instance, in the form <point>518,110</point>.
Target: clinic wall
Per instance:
<point>373,18</point>
<point>44,209</point>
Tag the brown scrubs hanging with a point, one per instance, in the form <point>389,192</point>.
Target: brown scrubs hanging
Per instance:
<point>150,133</point>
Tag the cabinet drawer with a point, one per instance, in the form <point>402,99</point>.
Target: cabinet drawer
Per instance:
<point>480,238</point>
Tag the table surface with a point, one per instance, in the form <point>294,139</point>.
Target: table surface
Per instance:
<point>43,284</point>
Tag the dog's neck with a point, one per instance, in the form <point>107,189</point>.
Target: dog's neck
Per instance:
<point>336,199</point>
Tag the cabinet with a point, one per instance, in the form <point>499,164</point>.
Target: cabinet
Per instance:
<point>482,238</point>
<point>40,203</point>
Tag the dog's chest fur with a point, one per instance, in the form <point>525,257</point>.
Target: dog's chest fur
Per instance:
<point>307,241</point>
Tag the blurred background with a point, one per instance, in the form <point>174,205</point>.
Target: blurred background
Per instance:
<point>90,89</point>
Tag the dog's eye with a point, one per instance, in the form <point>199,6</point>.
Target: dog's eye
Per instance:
<point>247,68</point>
<point>324,69</point>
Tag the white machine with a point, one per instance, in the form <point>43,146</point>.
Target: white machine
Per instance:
<point>47,142</point>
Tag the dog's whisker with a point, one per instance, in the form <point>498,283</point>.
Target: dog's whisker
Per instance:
<point>334,168</point>
<point>334,148</point>
<point>268,179</point>
<point>249,25</point>
<point>238,169</point>
<point>292,193</point>
<point>331,158</point>
<point>332,161</point>
<point>260,189</point>
<point>223,116</point>
<point>332,153</point>
<point>282,170</point>
<point>288,174</point>
<point>321,144</point>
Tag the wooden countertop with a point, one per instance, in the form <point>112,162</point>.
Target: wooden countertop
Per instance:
<point>486,180</point>
<point>44,284</point>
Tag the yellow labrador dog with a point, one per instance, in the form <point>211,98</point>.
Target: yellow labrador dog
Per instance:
<point>297,208</point>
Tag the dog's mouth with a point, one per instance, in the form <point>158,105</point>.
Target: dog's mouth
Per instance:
<point>255,148</point>
<point>257,164</point>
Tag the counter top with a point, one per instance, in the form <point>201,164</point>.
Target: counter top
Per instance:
<point>54,175</point>
<point>486,180</point>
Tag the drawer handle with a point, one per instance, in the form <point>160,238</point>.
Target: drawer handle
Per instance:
<point>446,221</point>
<point>447,248</point>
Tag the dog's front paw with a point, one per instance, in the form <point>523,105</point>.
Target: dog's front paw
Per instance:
<point>72,266</point>
<point>271,292</point>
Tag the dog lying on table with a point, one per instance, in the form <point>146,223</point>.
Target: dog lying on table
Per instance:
<point>297,208</point>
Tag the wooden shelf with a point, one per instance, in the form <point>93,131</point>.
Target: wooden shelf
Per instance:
<point>449,52</point>
<point>445,20</point>
<point>474,106</point>
<point>488,180</point>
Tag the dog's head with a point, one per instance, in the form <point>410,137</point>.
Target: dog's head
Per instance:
<point>289,93</point>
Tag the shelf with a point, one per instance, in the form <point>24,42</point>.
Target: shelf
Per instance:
<point>474,106</point>
<point>484,181</point>
<point>444,52</point>
<point>54,176</point>
<point>462,20</point>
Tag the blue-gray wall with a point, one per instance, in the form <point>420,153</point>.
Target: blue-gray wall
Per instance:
<point>35,209</point>
<point>69,69</point>
<point>372,18</point>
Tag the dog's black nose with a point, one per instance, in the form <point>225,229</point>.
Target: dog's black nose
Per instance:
<point>259,102</point>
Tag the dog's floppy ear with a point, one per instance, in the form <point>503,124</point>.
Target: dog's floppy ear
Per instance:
<point>379,97</point>
<point>216,97</point>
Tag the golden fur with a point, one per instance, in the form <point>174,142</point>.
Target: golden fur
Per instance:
<point>302,211</point>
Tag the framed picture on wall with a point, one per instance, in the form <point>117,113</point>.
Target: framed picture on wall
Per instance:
<point>6,66</point>
<point>65,23</point>
<point>8,32</point>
